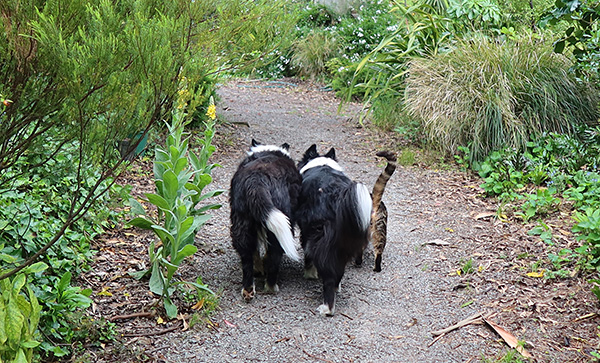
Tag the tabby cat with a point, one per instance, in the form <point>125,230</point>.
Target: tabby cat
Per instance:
<point>380,214</point>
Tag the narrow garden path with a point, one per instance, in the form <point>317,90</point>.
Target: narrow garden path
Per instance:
<point>438,225</point>
<point>381,317</point>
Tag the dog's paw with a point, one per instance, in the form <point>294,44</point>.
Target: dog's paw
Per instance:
<point>338,289</point>
<point>311,273</point>
<point>324,310</point>
<point>271,289</point>
<point>248,295</point>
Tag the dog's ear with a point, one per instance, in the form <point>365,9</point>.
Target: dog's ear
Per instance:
<point>311,153</point>
<point>285,146</point>
<point>255,143</point>
<point>331,154</point>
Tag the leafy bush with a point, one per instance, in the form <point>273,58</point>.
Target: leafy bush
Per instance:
<point>568,167</point>
<point>492,95</point>
<point>75,80</point>
<point>19,316</point>
<point>588,228</point>
<point>539,204</point>
<point>476,15</point>
<point>581,37</point>
<point>361,31</point>
<point>180,177</point>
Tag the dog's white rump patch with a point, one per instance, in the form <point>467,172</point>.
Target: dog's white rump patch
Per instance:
<point>279,224</point>
<point>321,161</point>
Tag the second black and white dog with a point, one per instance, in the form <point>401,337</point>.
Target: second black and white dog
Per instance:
<point>264,193</point>
<point>334,214</point>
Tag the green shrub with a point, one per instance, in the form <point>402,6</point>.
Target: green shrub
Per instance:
<point>361,31</point>
<point>312,53</point>
<point>588,231</point>
<point>180,177</point>
<point>313,16</point>
<point>476,15</point>
<point>493,95</point>
<point>539,204</point>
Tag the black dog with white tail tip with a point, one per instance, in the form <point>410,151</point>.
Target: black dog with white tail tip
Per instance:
<point>334,214</point>
<point>264,193</point>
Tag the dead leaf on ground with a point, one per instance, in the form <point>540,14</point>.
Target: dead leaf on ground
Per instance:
<point>510,339</point>
<point>484,215</point>
<point>437,242</point>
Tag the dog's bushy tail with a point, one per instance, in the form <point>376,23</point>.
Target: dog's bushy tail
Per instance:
<point>279,224</point>
<point>355,209</point>
<point>275,221</point>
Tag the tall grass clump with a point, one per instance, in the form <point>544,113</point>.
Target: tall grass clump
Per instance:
<point>312,53</point>
<point>492,95</point>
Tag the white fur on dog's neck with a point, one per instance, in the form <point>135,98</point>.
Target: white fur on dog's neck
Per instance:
<point>321,161</point>
<point>262,148</point>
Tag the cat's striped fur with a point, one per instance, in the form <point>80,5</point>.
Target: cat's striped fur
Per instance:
<point>379,215</point>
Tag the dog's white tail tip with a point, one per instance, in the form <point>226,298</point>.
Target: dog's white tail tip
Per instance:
<point>279,224</point>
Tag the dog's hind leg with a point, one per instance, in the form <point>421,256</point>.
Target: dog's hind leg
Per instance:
<point>244,240</point>
<point>329,287</point>
<point>271,264</point>
<point>248,290</point>
<point>272,261</point>
<point>358,260</point>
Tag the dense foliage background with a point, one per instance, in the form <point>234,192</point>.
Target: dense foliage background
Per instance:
<point>508,89</point>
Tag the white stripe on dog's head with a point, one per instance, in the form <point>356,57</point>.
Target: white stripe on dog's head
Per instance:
<point>263,148</point>
<point>321,161</point>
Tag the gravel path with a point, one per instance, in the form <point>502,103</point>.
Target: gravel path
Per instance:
<point>380,317</point>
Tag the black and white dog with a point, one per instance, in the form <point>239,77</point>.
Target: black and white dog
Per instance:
<point>264,193</point>
<point>334,214</point>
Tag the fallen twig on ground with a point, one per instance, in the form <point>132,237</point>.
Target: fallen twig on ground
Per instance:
<point>144,314</point>
<point>475,318</point>
<point>152,333</point>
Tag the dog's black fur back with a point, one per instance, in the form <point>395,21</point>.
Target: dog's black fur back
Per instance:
<point>264,192</point>
<point>334,228</point>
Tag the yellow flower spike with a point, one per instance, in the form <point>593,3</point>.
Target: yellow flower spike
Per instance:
<point>212,111</point>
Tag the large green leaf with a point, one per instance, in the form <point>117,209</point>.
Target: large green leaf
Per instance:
<point>186,251</point>
<point>64,282</point>
<point>157,280</point>
<point>136,207</point>
<point>14,321</point>
<point>211,194</point>
<point>180,165</point>
<point>36,309</point>
<point>203,180</point>
<point>170,308</point>
<point>19,282</point>
<point>35,268</point>
<point>3,336</point>
<point>141,223</point>
<point>185,225</point>
<point>23,305</point>
<point>158,201</point>
<point>170,186</point>
<point>21,357</point>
